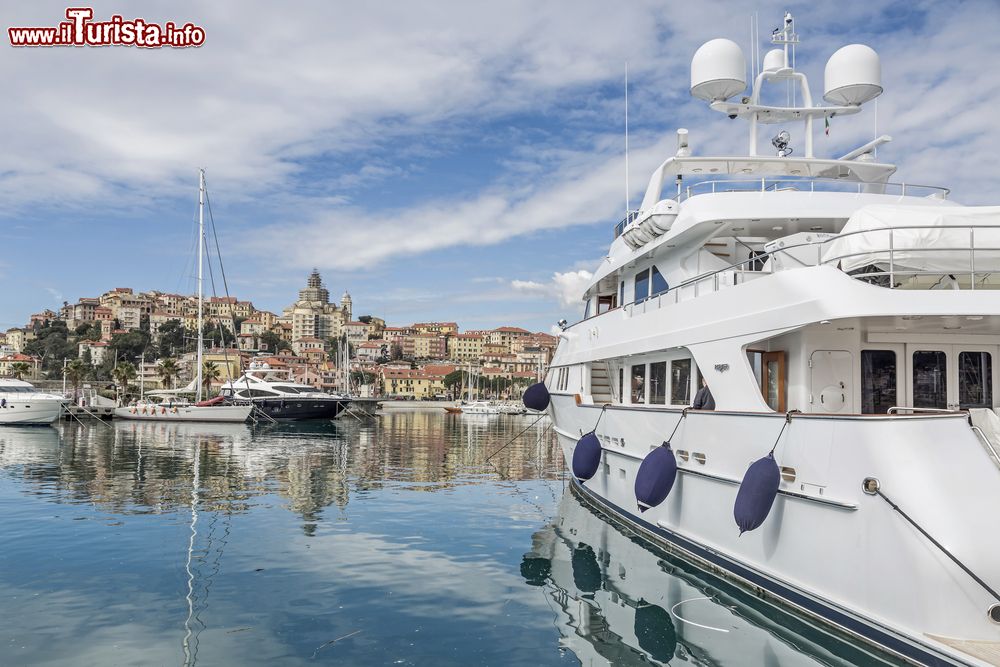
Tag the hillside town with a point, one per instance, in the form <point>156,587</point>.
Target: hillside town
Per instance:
<point>147,340</point>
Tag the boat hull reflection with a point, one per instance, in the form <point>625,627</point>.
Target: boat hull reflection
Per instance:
<point>620,599</point>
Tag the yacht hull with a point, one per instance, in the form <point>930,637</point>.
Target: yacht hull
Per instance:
<point>186,413</point>
<point>39,411</point>
<point>296,409</point>
<point>827,549</point>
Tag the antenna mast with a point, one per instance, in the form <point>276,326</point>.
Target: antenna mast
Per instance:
<point>626,143</point>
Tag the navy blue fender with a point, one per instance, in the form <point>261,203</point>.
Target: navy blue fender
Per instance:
<point>586,457</point>
<point>536,397</point>
<point>757,492</point>
<point>655,478</point>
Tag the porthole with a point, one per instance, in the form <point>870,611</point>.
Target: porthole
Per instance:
<point>994,613</point>
<point>682,454</point>
<point>788,473</point>
<point>699,458</point>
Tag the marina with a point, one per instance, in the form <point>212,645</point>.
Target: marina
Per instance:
<point>549,334</point>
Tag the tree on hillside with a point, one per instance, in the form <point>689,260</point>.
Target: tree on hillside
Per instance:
<point>272,342</point>
<point>168,372</point>
<point>130,346</point>
<point>209,373</point>
<point>123,374</point>
<point>76,373</point>
<point>174,338</point>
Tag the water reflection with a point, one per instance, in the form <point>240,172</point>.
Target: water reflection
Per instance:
<point>134,467</point>
<point>622,600</point>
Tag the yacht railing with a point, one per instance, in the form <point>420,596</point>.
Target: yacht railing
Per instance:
<point>886,273</point>
<point>817,184</point>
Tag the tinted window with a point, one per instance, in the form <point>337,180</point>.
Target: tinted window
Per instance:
<point>930,380</point>
<point>658,383</point>
<point>639,383</point>
<point>878,381</point>
<point>975,380</point>
<point>641,285</point>
<point>680,382</point>
<point>659,283</point>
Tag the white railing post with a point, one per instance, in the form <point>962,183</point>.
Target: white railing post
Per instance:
<point>972,258</point>
<point>892,263</point>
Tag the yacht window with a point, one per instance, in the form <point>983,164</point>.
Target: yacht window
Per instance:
<point>639,383</point>
<point>606,303</point>
<point>621,384</point>
<point>878,381</point>
<point>586,309</point>
<point>262,393</point>
<point>659,283</point>
<point>975,374</point>
<point>930,381</point>
<point>641,285</point>
<point>658,383</point>
<point>621,292</point>
<point>287,388</point>
<point>680,382</point>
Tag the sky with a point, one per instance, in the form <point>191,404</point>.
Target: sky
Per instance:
<point>442,160</point>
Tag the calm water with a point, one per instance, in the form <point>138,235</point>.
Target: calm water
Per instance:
<point>388,542</point>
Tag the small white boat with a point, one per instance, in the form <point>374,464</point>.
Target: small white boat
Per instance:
<point>21,403</point>
<point>481,408</point>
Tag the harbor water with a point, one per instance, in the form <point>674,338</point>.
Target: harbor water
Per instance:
<point>413,538</point>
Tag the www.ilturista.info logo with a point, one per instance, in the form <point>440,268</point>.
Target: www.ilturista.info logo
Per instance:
<point>80,30</point>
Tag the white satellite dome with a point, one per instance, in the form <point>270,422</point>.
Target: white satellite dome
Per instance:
<point>853,76</point>
<point>718,70</point>
<point>774,60</point>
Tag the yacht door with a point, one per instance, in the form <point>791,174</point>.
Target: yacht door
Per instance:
<point>973,375</point>
<point>928,386</point>
<point>831,385</point>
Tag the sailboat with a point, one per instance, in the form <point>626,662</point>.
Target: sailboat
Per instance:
<point>213,410</point>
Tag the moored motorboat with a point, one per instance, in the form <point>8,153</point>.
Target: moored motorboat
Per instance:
<point>844,327</point>
<point>21,403</point>
<point>275,393</point>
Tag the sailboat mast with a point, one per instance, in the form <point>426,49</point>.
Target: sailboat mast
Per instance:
<point>201,241</point>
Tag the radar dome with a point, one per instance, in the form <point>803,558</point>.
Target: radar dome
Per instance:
<point>774,60</point>
<point>853,76</point>
<point>718,70</point>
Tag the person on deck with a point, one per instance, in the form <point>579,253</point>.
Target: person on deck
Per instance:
<point>703,399</point>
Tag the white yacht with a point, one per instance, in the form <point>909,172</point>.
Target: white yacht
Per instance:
<point>279,396</point>
<point>845,325</point>
<point>21,403</point>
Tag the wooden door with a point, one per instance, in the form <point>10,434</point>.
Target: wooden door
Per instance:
<point>773,380</point>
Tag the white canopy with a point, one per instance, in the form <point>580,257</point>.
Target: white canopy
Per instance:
<point>932,238</point>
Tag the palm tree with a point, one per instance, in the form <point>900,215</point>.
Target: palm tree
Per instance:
<point>122,374</point>
<point>209,373</point>
<point>19,369</point>
<point>76,371</point>
<point>168,372</point>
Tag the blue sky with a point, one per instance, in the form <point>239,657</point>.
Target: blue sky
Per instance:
<point>439,160</point>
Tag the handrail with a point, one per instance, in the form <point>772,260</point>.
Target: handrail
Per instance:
<point>765,184</point>
<point>896,408</point>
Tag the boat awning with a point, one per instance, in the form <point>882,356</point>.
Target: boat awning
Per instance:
<point>932,239</point>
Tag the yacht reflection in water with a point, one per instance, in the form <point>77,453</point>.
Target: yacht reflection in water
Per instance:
<point>620,600</point>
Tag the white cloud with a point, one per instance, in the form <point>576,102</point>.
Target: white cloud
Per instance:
<point>567,288</point>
